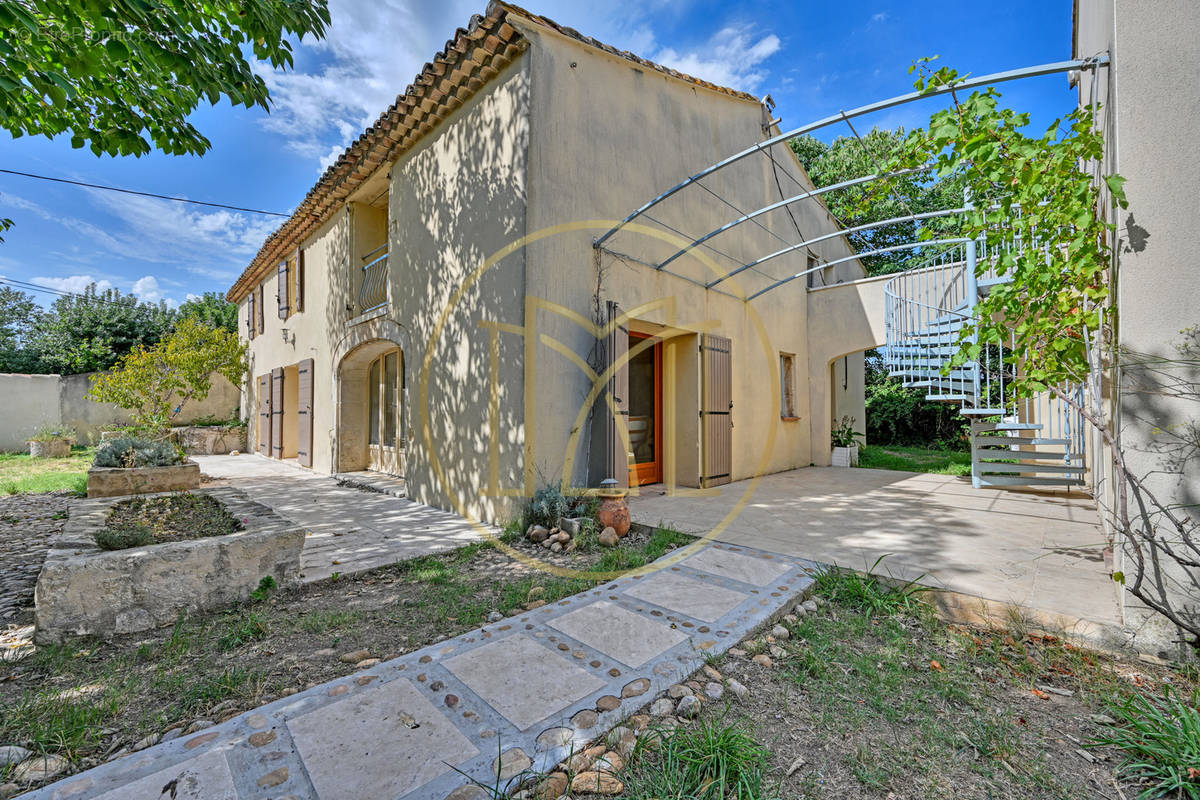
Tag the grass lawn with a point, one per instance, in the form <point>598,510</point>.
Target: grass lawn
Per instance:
<point>89,698</point>
<point>915,459</point>
<point>20,472</point>
<point>873,697</point>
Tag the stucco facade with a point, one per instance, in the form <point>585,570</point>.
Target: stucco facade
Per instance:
<point>494,290</point>
<point>1148,97</point>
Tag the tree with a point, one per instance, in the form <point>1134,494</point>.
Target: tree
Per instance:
<point>212,309</point>
<point>915,193</point>
<point>154,382</point>
<point>19,314</point>
<point>92,330</point>
<point>122,77</point>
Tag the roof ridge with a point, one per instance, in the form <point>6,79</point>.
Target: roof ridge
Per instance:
<point>469,59</point>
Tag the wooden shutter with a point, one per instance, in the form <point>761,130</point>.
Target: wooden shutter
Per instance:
<point>717,409</point>
<point>300,281</point>
<point>281,287</point>
<point>611,456</point>
<point>305,422</point>
<point>250,319</point>
<point>260,312</point>
<point>264,414</point>
<point>277,412</point>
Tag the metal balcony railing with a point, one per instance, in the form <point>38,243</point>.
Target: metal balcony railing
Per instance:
<point>372,292</point>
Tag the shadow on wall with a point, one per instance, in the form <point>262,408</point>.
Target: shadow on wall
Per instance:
<point>1160,435</point>
<point>455,202</point>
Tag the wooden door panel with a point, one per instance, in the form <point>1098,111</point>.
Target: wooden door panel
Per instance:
<point>717,410</point>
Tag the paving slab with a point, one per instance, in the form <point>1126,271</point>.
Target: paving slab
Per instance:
<point>390,740</point>
<point>630,638</point>
<point>404,729</point>
<point>524,681</point>
<point>697,598</point>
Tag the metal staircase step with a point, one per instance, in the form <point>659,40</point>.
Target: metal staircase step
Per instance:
<point>981,441</point>
<point>955,398</point>
<point>1022,455</point>
<point>1071,469</point>
<point>1018,480</point>
<point>992,412</point>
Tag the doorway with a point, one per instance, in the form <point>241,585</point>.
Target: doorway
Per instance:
<point>385,447</point>
<point>645,412</point>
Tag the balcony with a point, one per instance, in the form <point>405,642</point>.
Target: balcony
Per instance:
<point>373,288</point>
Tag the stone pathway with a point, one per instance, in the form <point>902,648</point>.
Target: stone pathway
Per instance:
<point>27,521</point>
<point>521,693</point>
<point>349,529</point>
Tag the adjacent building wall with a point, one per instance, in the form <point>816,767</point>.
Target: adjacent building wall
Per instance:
<point>1149,96</point>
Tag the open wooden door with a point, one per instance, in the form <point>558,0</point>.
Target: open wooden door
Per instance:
<point>264,414</point>
<point>644,410</point>
<point>609,437</point>
<point>717,410</point>
<point>277,412</point>
<point>304,426</point>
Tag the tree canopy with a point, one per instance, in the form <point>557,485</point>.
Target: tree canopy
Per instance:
<point>848,158</point>
<point>212,309</point>
<point>19,315</point>
<point>121,77</point>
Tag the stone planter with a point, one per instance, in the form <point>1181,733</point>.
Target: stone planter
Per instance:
<point>211,440</point>
<point>86,591</point>
<point>845,456</point>
<point>114,481</point>
<point>50,448</point>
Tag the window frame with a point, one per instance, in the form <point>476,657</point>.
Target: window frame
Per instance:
<point>788,410</point>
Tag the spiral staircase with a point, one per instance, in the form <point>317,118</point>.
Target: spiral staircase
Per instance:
<point>1015,442</point>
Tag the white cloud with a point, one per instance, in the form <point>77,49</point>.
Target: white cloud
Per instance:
<point>732,57</point>
<point>147,289</point>
<point>373,50</point>
<point>879,18</point>
<point>73,283</point>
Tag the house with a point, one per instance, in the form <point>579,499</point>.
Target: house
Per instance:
<point>438,308</point>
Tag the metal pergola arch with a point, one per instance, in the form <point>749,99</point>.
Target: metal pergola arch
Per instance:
<point>843,116</point>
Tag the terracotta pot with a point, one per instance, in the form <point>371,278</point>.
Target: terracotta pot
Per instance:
<point>614,513</point>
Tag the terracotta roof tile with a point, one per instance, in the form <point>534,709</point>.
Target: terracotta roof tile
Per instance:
<point>475,55</point>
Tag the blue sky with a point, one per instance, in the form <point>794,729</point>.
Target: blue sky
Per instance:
<point>814,58</point>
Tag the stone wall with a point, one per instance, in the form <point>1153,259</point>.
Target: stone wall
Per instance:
<point>86,591</point>
<point>115,481</point>
<point>31,401</point>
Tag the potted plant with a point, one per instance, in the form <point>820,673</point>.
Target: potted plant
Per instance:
<point>50,441</point>
<point>845,443</point>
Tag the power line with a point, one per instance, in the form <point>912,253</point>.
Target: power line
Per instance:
<point>97,297</point>
<point>141,194</point>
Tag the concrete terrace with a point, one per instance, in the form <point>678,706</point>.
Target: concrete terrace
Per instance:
<point>1041,553</point>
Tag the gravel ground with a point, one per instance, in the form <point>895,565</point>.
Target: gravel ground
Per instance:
<point>27,521</point>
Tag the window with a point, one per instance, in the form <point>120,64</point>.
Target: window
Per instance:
<point>787,384</point>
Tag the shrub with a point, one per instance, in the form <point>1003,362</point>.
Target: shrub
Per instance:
<point>129,451</point>
<point>547,507</point>
<point>1161,741</point>
<point>121,537</point>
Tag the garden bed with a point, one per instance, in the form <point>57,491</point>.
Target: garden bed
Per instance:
<point>209,440</point>
<point>117,481</point>
<point>168,518</point>
<point>86,590</point>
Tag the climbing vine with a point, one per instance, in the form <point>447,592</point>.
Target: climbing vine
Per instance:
<point>1030,191</point>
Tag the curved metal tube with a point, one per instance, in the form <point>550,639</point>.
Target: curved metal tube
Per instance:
<point>787,202</point>
<point>842,116</point>
<point>893,248</point>
<point>835,235</point>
